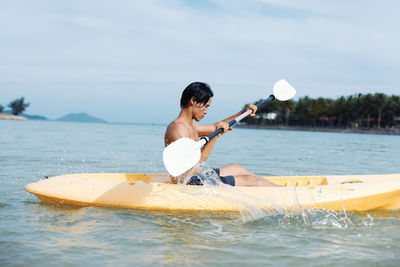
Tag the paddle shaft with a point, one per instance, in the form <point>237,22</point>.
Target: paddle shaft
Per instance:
<point>235,121</point>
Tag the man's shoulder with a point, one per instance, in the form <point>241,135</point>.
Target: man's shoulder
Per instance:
<point>176,130</point>
<point>175,125</point>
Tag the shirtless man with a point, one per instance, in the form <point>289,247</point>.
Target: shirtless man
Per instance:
<point>195,100</point>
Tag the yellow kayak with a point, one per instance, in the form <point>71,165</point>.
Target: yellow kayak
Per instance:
<point>155,192</point>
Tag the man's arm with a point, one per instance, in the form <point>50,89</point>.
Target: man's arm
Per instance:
<point>204,130</point>
<point>250,106</point>
<point>206,150</point>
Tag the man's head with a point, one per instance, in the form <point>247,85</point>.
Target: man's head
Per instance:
<point>200,91</point>
<point>198,95</point>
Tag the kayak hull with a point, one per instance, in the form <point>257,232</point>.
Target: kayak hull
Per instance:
<point>155,192</point>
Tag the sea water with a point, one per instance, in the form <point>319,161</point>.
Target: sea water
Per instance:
<point>33,233</point>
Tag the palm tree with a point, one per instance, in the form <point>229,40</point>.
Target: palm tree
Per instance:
<point>303,112</point>
<point>18,106</point>
<point>339,108</point>
<point>391,111</point>
<point>380,102</point>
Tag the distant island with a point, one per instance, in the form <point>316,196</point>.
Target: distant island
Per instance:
<point>72,117</point>
<point>35,117</point>
<point>80,117</point>
<point>18,106</point>
<point>7,115</point>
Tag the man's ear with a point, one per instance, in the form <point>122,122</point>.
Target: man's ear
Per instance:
<point>192,101</point>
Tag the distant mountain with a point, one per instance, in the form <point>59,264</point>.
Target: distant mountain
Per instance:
<point>80,117</point>
<point>29,117</point>
<point>34,117</point>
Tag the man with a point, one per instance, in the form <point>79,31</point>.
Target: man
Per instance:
<point>195,100</point>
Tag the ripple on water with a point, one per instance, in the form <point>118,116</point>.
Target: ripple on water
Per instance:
<point>3,205</point>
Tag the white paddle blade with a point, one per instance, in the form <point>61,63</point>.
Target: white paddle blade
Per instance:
<point>283,90</point>
<point>181,155</point>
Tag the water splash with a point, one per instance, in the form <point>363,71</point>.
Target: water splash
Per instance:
<point>184,177</point>
<point>252,208</point>
<point>205,174</point>
<point>249,207</point>
<point>316,219</point>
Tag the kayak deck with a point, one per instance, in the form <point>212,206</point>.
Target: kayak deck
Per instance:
<point>155,192</point>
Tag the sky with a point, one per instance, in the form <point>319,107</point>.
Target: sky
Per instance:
<point>129,60</point>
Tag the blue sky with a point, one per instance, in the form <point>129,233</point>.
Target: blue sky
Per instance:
<point>128,61</point>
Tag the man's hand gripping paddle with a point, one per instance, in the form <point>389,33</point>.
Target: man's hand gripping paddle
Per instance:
<point>183,154</point>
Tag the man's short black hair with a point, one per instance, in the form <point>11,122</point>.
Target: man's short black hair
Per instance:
<point>200,91</point>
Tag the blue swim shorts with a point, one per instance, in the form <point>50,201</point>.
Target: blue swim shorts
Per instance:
<point>196,180</point>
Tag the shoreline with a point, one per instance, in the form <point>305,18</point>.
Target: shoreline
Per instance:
<point>393,131</point>
<point>5,116</point>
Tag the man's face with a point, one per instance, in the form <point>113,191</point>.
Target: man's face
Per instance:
<point>200,110</point>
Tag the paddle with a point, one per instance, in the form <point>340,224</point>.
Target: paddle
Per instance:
<point>184,153</point>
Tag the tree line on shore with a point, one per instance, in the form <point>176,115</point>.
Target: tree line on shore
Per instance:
<point>360,110</point>
<point>17,106</point>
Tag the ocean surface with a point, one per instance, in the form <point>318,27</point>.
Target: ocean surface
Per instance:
<point>33,233</point>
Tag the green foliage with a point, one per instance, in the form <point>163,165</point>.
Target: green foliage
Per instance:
<point>1,108</point>
<point>369,110</point>
<point>18,106</point>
